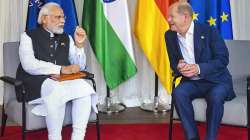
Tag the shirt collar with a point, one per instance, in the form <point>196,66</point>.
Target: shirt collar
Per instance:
<point>51,34</point>
<point>191,28</point>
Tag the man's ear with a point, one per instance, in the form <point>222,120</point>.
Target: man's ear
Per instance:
<point>186,18</point>
<point>44,19</point>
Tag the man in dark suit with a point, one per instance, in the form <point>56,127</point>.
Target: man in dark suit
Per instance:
<point>199,54</point>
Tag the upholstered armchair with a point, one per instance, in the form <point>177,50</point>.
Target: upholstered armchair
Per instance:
<point>236,111</point>
<point>20,112</point>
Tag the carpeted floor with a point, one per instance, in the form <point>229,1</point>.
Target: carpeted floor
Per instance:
<point>132,132</point>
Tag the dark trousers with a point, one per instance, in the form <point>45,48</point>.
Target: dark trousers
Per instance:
<point>214,94</point>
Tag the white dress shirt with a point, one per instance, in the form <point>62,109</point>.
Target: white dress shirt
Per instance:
<point>187,47</point>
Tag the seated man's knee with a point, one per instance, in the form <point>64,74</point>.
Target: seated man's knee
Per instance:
<point>217,95</point>
<point>178,93</point>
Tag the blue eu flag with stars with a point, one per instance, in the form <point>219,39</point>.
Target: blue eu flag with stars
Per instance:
<point>215,13</point>
<point>68,7</point>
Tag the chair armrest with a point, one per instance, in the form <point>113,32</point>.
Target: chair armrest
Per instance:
<point>248,78</point>
<point>248,102</point>
<point>11,81</point>
<point>175,75</point>
<point>16,82</point>
<point>248,84</point>
<point>88,75</point>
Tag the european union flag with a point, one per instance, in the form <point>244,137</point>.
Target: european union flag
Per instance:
<point>68,7</point>
<point>216,13</point>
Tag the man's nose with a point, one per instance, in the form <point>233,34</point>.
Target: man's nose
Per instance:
<point>62,20</point>
<point>169,19</point>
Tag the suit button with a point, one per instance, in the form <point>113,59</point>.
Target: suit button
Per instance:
<point>51,46</point>
<point>51,55</point>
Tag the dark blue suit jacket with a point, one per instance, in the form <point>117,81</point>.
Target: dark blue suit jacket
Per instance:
<point>211,54</point>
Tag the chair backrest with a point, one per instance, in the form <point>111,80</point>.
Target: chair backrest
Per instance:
<point>239,64</point>
<point>10,58</point>
<point>10,64</point>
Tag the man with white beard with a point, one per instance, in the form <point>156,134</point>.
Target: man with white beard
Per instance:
<point>45,51</point>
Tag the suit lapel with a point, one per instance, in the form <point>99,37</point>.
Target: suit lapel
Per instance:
<point>177,47</point>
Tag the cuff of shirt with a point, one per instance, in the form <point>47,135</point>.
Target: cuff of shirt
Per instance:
<point>199,71</point>
<point>57,70</point>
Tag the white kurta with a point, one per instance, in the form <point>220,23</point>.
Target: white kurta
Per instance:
<point>54,93</point>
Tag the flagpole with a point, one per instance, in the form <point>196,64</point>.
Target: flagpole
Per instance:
<point>109,107</point>
<point>155,106</point>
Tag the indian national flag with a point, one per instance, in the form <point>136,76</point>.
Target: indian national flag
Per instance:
<point>107,25</point>
<point>150,27</point>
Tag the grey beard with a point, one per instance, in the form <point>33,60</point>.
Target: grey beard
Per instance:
<point>56,30</point>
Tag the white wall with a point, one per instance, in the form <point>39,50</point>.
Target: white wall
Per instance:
<point>133,92</point>
<point>241,21</point>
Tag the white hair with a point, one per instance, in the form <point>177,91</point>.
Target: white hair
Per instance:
<point>45,10</point>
